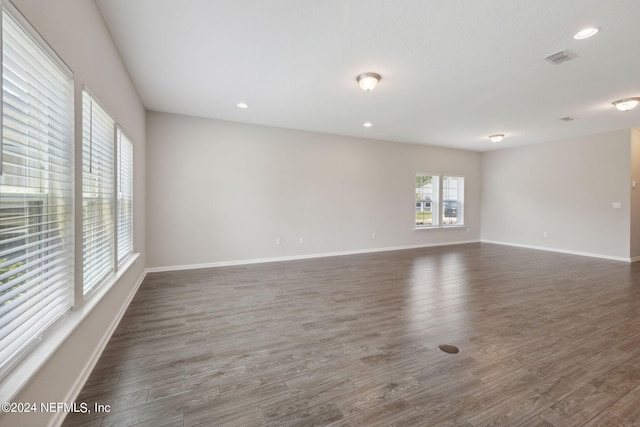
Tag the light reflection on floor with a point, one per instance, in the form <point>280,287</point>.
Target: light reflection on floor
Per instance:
<point>437,293</point>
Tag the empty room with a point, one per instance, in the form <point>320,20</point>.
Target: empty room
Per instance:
<point>327,213</point>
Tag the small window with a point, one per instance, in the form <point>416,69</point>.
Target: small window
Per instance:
<point>439,200</point>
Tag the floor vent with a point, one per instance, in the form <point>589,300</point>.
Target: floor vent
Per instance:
<point>451,349</point>
<point>560,57</point>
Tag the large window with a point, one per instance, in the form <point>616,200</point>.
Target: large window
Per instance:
<point>36,188</point>
<point>98,188</point>
<point>439,200</point>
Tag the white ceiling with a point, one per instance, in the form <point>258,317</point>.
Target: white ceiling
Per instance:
<point>453,71</point>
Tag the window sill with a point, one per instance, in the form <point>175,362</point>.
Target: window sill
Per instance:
<point>52,339</point>
<point>442,227</point>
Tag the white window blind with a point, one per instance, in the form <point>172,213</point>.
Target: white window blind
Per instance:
<point>125,196</point>
<point>98,188</point>
<point>36,188</point>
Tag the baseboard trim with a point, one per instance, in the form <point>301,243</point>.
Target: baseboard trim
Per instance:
<point>301,257</point>
<point>634,259</point>
<point>563,251</point>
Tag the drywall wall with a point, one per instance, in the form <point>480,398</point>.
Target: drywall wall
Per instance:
<point>221,192</point>
<point>76,31</point>
<point>565,189</point>
<point>635,194</point>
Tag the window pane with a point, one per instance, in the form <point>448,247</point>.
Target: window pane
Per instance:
<point>97,193</point>
<point>125,196</point>
<point>36,191</point>
<point>453,200</point>
<point>426,200</point>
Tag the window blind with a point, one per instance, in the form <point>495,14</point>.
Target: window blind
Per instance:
<point>98,187</point>
<point>125,196</point>
<point>36,188</point>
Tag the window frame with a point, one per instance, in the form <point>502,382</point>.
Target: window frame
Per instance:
<point>437,201</point>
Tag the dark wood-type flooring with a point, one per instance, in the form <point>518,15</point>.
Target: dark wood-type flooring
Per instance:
<point>545,339</point>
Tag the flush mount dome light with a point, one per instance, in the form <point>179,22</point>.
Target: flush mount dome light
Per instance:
<point>242,105</point>
<point>627,103</point>
<point>586,33</point>
<point>367,124</point>
<point>495,138</point>
<point>368,81</point>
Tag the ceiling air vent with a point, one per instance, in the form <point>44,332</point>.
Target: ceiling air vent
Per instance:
<point>560,57</point>
<point>568,119</point>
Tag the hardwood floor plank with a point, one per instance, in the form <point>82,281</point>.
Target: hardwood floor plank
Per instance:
<point>388,413</point>
<point>607,419</point>
<point>319,415</point>
<point>309,397</point>
<point>628,406</point>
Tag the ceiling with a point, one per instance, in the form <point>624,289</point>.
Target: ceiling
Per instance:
<point>453,71</point>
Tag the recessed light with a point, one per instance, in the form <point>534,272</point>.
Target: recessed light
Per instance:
<point>495,138</point>
<point>367,124</point>
<point>627,104</point>
<point>242,105</point>
<point>586,33</point>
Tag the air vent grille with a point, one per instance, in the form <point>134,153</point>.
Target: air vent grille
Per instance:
<point>560,57</point>
<point>568,119</point>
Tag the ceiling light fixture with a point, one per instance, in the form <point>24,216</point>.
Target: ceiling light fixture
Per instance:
<point>496,137</point>
<point>586,33</point>
<point>627,104</point>
<point>367,124</point>
<point>242,105</point>
<point>368,81</point>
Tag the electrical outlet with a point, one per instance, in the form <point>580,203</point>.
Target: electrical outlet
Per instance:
<point>545,234</point>
<point>277,241</point>
<point>373,235</point>
<point>301,240</point>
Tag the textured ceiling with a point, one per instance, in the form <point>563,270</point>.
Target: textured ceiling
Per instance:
<point>453,71</point>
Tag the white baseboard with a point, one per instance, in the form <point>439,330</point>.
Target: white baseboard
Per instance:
<point>564,251</point>
<point>300,257</point>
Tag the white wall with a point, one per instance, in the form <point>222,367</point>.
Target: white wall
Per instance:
<point>222,192</point>
<point>565,188</point>
<point>635,194</point>
<point>76,31</point>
